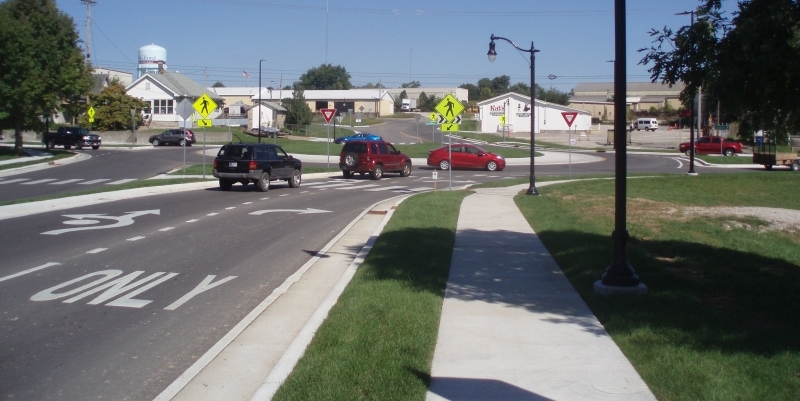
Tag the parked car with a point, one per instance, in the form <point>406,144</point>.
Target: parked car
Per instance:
<point>173,137</point>
<point>712,145</point>
<point>465,156</point>
<point>363,136</point>
<point>373,157</point>
<point>259,163</point>
<point>71,136</point>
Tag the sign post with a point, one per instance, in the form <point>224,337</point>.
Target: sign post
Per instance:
<point>449,110</point>
<point>569,117</point>
<point>417,117</point>
<point>205,106</point>
<point>328,114</point>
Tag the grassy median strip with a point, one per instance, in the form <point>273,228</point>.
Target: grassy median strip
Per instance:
<point>722,315</point>
<point>379,338</point>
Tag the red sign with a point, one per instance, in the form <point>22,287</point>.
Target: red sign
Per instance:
<point>327,114</point>
<point>569,117</point>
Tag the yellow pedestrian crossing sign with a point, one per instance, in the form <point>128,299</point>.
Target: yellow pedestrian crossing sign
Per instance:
<point>502,120</point>
<point>434,117</point>
<point>204,105</point>
<point>449,108</point>
<point>204,122</point>
<point>449,127</point>
<point>90,112</point>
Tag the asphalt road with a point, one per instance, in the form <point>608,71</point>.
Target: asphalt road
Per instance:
<point>104,167</point>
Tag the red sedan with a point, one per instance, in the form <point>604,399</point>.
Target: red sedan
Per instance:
<point>465,156</point>
<point>712,145</point>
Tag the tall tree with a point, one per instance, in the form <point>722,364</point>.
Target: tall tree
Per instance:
<point>500,84</point>
<point>326,76</point>
<point>412,84</point>
<point>42,66</point>
<point>473,91</point>
<point>297,110</point>
<point>218,84</point>
<point>113,108</point>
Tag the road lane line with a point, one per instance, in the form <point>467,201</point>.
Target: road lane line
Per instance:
<point>386,188</point>
<point>13,181</point>
<point>38,181</point>
<point>31,270</point>
<point>359,186</point>
<point>135,238</point>
<point>70,181</point>
<point>166,229</point>
<point>121,181</point>
<point>247,203</point>
<point>192,220</point>
<point>229,208</point>
<point>212,214</point>
<point>94,181</point>
<point>98,250</point>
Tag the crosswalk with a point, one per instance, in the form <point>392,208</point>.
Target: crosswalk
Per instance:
<point>363,185</point>
<point>56,181</point>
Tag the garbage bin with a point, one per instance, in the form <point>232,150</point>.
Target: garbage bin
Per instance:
<point>759,140</point>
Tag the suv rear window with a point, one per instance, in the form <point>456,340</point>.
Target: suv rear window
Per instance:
<point>236,152</point>
<point>355,147</point>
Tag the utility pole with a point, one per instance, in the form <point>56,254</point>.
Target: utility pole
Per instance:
<point>89,4</point>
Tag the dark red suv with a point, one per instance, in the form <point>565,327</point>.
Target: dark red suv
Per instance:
<point>373,157</point>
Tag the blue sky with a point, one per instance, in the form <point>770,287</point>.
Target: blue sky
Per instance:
<point>438,43</point>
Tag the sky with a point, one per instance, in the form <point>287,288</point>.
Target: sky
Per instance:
<point>438,43</point>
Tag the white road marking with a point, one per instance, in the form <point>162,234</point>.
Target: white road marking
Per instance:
<point>70,181</point>
<point>284,195</point>
<point>334,185</point>
<point>135,238</point>
<point>247,203</point>
<point>97,250</point>
<point>31,270</point>
<point>229,208</point>
<point>264,198</point>
<point>359,186</point>
<point>212,214</point>
<point>192,220</point>
<point>81,219</point>
<point>94,181</point>
<point>386,188</point>
<point>204,285</point>
<point>121,181</point>
<point>298,211</point>
<point>166,229</point>
<point>13,181</point>
<point>305,192</point>
<point>38,181</point>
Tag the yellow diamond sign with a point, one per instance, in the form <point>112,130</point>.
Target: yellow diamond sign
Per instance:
<point>434,116</point>
<point>204,105</point>
<point>449,108</point>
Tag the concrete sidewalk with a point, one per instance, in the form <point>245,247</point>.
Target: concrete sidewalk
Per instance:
<point>512,326</point>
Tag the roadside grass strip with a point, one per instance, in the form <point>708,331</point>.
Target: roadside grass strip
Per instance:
<point>378,340</point>
<point>722,314</point>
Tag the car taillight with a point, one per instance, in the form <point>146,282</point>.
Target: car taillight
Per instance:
<point>252,165</point>
<point>215,164</point>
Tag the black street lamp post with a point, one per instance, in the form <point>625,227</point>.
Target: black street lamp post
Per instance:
<point>492,54</point>
<point>691,114</point>
<point>259,100</point>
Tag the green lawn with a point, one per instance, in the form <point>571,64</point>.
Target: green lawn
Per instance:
<point>721,317</point>
<point>377,342</point>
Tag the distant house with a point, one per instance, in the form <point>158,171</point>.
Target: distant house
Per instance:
<point>272,115</point>
<point>598,97</point>
<point>515,110</point>
<point>163,91</point>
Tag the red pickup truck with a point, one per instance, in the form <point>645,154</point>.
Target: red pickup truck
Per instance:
<point>712,145</point>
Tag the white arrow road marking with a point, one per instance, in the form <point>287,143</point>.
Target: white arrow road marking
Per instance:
<point>24,272</point>
<point>298,211</point>
<point>124,220</point>
<point>680,163</point>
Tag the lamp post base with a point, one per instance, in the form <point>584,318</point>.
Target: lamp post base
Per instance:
<point>603,289</point>
<point>691,173</point>
<point>532,191</point>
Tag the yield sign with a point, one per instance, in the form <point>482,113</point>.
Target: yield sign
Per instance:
<point>327,114</point>
<point>569,117</point>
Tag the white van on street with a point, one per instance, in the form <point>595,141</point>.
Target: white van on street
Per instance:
<point>647,124</point>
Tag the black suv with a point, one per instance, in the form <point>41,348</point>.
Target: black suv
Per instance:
<point>259,163</point>
<point>71,136</point>
<point>373,157</point>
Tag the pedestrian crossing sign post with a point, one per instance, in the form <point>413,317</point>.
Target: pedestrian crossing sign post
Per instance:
<point>90,112</point>
<point>204,105</point>
<point>449,108</point>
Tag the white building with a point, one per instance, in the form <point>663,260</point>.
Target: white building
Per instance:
<point>413,93</point>
<point>516,110</point>
<point>163,91</point>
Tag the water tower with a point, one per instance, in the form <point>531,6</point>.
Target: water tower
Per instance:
<point>150,57</point>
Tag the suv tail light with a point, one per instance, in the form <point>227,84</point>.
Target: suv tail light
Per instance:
<point>253,165</point>
<point>215,164</point>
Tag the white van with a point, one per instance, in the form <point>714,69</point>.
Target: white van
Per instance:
<point>647,124</point>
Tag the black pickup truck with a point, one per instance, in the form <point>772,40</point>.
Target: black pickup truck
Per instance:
<point>258,163</point>
<point>71,136</point>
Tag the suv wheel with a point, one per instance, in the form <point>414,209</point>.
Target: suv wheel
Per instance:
<point>351,160</point>
<point>182,142</point>
<point>294,182</point>
<point>729,152</point>
<point>263,182</point>
<point>377,173</point>
<point>78,145</point>
<point>688,152</point>
<point>406,171</point>
<point>347,174</point>
<point>225,185</point>
<point>51,144</point>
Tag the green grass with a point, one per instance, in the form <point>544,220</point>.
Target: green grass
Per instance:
<point>721,317</point>
<point>715,159</point>
<point>378,340</point>
<point>128,185</point>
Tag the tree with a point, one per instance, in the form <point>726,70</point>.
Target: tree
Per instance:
<point>552,95</point>
<point>297,110</point>
<point>521,88</point>
<point>326,76</point>
<point>113,108</point>
<point>218,85</point>
<point>473,91</point>
<point>500,84</point>
<point>412,84</point>
<point>42,66</point>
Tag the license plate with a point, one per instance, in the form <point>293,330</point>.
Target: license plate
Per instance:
<point>232,164</point>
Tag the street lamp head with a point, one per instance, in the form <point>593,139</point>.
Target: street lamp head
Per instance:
<point>492,54</point>
<point>685,13</point>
